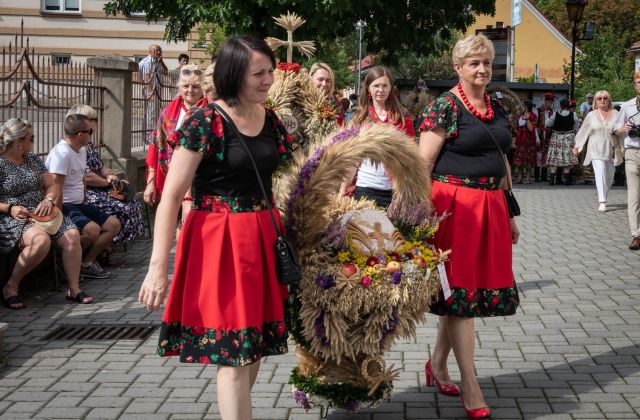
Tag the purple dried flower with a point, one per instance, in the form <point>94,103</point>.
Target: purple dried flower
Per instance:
<point>335,236</point>
<point>301,399</point>
<point>396,277</point>
<point>352,406</point>
<point>324,282</point>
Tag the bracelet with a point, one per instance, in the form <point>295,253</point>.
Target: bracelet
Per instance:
<point>9,209</point>
<point>51,200</point>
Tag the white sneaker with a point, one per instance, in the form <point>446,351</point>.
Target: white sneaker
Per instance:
<point>602,207</point>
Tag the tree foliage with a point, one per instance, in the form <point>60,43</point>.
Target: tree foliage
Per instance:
<point>604,63</point>
<point>392,27</point>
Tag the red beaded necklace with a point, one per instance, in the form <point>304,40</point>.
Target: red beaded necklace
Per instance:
<point>484,117</point>
<point>184,106</point>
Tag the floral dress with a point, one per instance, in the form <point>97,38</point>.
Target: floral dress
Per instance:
<point>466,186</point>
<point>225,305</point>
<point>20,185</point>
<point>129,213</point>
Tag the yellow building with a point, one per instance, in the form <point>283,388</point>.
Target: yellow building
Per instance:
<point>537,42</point>
<point>73,30</point>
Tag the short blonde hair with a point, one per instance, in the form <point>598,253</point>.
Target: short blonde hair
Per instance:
<point>191,77</point>
<point>324,66</point>
<point>82,109</point>
<point>472,45</point>
<point>207,81</point>
<point>636,75</point>
<point>594,103</point>
<point>11,131</point>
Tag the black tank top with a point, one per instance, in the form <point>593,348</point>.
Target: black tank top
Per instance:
<point>563,123</point>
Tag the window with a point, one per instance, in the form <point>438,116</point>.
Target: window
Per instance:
<point>61,59</point>
<point>61,6</point>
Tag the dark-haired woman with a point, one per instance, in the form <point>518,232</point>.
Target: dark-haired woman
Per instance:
<point>225,304</point>
<point>524,157</point>
<point>378,105</point>
<point>564,124</point>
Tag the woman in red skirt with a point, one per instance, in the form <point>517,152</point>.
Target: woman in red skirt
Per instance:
<point>459,132</point>
<point>225,303</point>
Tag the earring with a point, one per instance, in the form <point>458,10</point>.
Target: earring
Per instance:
<point>369,96</point>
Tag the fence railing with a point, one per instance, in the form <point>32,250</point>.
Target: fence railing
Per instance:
<point>147,101</point>
<point>33,87</point>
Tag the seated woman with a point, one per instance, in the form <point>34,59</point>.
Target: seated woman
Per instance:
<point>26,187</point>
<point>99,182</point>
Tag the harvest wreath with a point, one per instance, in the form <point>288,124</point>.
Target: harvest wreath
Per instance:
<point>368,275</point>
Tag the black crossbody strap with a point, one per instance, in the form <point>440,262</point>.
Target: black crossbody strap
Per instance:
<point>233,127</point>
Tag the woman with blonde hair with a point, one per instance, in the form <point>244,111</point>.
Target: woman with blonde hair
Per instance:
<point>208,87</point>
<point>596,133</point>
<point>27,191</point>
<point>323,78</point>
<point>463,137</point>
<point>160,150</point>
<point>378,104</point>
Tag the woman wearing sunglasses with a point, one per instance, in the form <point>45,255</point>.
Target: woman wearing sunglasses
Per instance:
<point>190,95</point>
<point>595,132</point>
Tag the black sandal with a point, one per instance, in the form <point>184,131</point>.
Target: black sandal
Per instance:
<point>13,300</point>
<point>80,298</point>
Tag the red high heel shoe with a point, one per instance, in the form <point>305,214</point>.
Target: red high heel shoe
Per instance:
<point>475,413</point>
<point>451,390</point>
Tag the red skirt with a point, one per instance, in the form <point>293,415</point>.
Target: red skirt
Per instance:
<point>479,269</point>
<point>225,305</point>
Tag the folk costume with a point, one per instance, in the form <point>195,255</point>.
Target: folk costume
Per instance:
<point>563,137</point>
<point>544,134</point>
<point>225,305</point>
<point>525,154</point>
<point>467,179</point>
<point>163,138</point>
<point>372,180</point>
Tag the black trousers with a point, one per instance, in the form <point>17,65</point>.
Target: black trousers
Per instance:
<point>381,197</point>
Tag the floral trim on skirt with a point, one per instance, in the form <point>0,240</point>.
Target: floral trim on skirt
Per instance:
<point>222,347</point>
<point>469,303</point>
<point>560,151</point>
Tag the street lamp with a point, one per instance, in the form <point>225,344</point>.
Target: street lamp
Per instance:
<point>575,9</point>
<point>359,24</point>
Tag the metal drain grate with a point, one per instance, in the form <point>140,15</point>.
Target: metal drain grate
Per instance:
<point>101,332</point>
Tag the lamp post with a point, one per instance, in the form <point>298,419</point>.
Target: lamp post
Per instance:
<point>575,8</point>
<point>359,24</point>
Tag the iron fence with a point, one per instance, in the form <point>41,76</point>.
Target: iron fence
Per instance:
<point>33,87</point>
<point>148,98</point>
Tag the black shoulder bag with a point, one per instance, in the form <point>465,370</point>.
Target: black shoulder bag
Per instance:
<point>287,266</point>
<point>512,203</point>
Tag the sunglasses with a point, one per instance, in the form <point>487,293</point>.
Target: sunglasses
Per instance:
<point>603,98</point>
<point>89,131</point>
<point>187,72</point>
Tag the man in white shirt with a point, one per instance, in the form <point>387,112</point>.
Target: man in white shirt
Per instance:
<point>151,69</point>
<point>67,161</point>
<point>627,125</point>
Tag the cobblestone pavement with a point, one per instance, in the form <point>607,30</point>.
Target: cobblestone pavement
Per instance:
<point>571,351</point>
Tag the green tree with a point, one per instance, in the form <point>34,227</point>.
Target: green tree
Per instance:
<point>392,26</point>
<point>602,66</point>
<point>211,36</point>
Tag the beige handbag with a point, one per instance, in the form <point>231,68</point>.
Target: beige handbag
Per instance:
<point>50,223</point>
<point>618,156</point>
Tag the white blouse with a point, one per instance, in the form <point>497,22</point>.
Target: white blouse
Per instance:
<point>597,131</point>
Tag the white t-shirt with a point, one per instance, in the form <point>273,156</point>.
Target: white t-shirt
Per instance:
<point>372,175</point>
<point>63,160</point>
